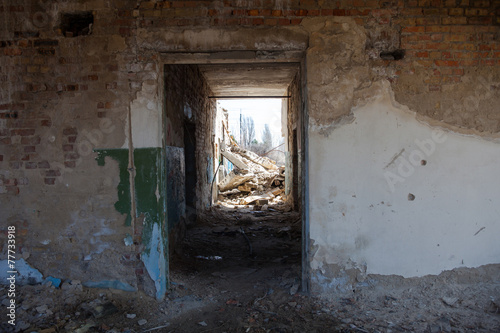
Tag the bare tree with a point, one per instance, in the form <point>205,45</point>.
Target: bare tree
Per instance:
<point>267,137</point>
<point>247,131</point>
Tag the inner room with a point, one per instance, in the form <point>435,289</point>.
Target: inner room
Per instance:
<point>234,130</point>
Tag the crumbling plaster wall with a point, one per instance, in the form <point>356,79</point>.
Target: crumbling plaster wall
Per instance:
<point>390,192</point>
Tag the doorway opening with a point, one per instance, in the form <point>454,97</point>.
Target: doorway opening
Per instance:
<point>240,217</point>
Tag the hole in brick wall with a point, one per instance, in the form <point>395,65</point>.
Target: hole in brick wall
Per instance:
<point>77,24</point>
<point>392,55</point>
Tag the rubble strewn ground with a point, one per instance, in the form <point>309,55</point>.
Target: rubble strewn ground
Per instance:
<point>255,180</point>
<point>239,271</point>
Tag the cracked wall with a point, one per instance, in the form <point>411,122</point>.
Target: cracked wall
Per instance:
<point>395,189</point>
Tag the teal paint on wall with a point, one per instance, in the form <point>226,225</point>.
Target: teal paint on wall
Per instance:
<point>150,202</point>
<point>123,205</point>
<point>149,183</point>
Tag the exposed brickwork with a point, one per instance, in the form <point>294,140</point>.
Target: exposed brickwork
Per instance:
<point>187,90</point>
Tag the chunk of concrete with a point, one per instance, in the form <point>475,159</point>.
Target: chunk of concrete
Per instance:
<point>236,160</point>
<point>263,161</point>
<point>233,180</point>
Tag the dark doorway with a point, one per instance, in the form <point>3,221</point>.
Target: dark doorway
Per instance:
<point>190,176</point>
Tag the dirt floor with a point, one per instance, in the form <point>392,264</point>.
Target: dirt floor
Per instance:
<point>239,271</point>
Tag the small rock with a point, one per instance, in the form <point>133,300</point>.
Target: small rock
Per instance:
<point>42,308</point>
<point>450,301</point>
<point>294,289</point>
<point>22,325</point>
<point>292,304</point>
<point>202,323</point>
<point>131,315</point>
<point>142,322</point>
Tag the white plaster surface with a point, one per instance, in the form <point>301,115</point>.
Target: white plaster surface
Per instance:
<point>146,121</point>
<point>356,220</point>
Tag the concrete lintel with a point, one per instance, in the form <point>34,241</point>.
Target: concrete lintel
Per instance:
<point>231,57</point>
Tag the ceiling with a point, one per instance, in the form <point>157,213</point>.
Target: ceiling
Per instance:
<point>249,80</point>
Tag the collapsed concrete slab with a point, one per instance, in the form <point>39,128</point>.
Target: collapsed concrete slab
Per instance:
<point>235,159</point>
<point>233,179</point>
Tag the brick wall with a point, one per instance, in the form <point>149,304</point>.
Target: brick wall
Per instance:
<point>186,89</point>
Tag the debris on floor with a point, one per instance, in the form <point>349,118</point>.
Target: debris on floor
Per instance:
<point>215,286</point>
<point>255,181</point>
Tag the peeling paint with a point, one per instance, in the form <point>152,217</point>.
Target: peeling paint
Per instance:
<point>123,205</point>
<point>148,179</point>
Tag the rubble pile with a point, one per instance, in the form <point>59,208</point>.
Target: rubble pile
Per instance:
<point>255,181</point>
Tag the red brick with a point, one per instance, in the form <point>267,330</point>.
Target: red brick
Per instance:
<point>455,38</point>
<point>276,13</point>
<point>422,54</point>
<point>301,12</point>
<point>46,123</point>
<point>284,22</point>
<point>23,132</point>
<point>446,55</point>
<point>265,12</point>
<point>50,181</point>
<point>469,62</point>
<point>451,79</point>
<point>270,21</point>
<point>13,190</point>
<point>339,12</point>
<point>1,158</point>
<point>29,149</point>
<point>43,165</point>
<point>52,173</point>
<point>437,37</point>
<point>425,63</point>
<point>30,165</point>
<point>10,182</point>
<point>437,28</point>
<point>326,12</point>
<point>68,147</point>
<point>70,131</point>
<point>253,12</point>
<point>481,55</point>
<point>456,11</point>
<point>480,20</point>
<point>296,21</point>
<point>481,3</point>
<point>258,21</point>
<point>70,164</point>
<point>453,20</point>
<point>313,12</point>
<point>446,62</point>
<point>16,165</point>
<point>71,156</point>
<point>5,141</point>
<point>414,29</point>
<point>484,47</point>
<point>13,52</point>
